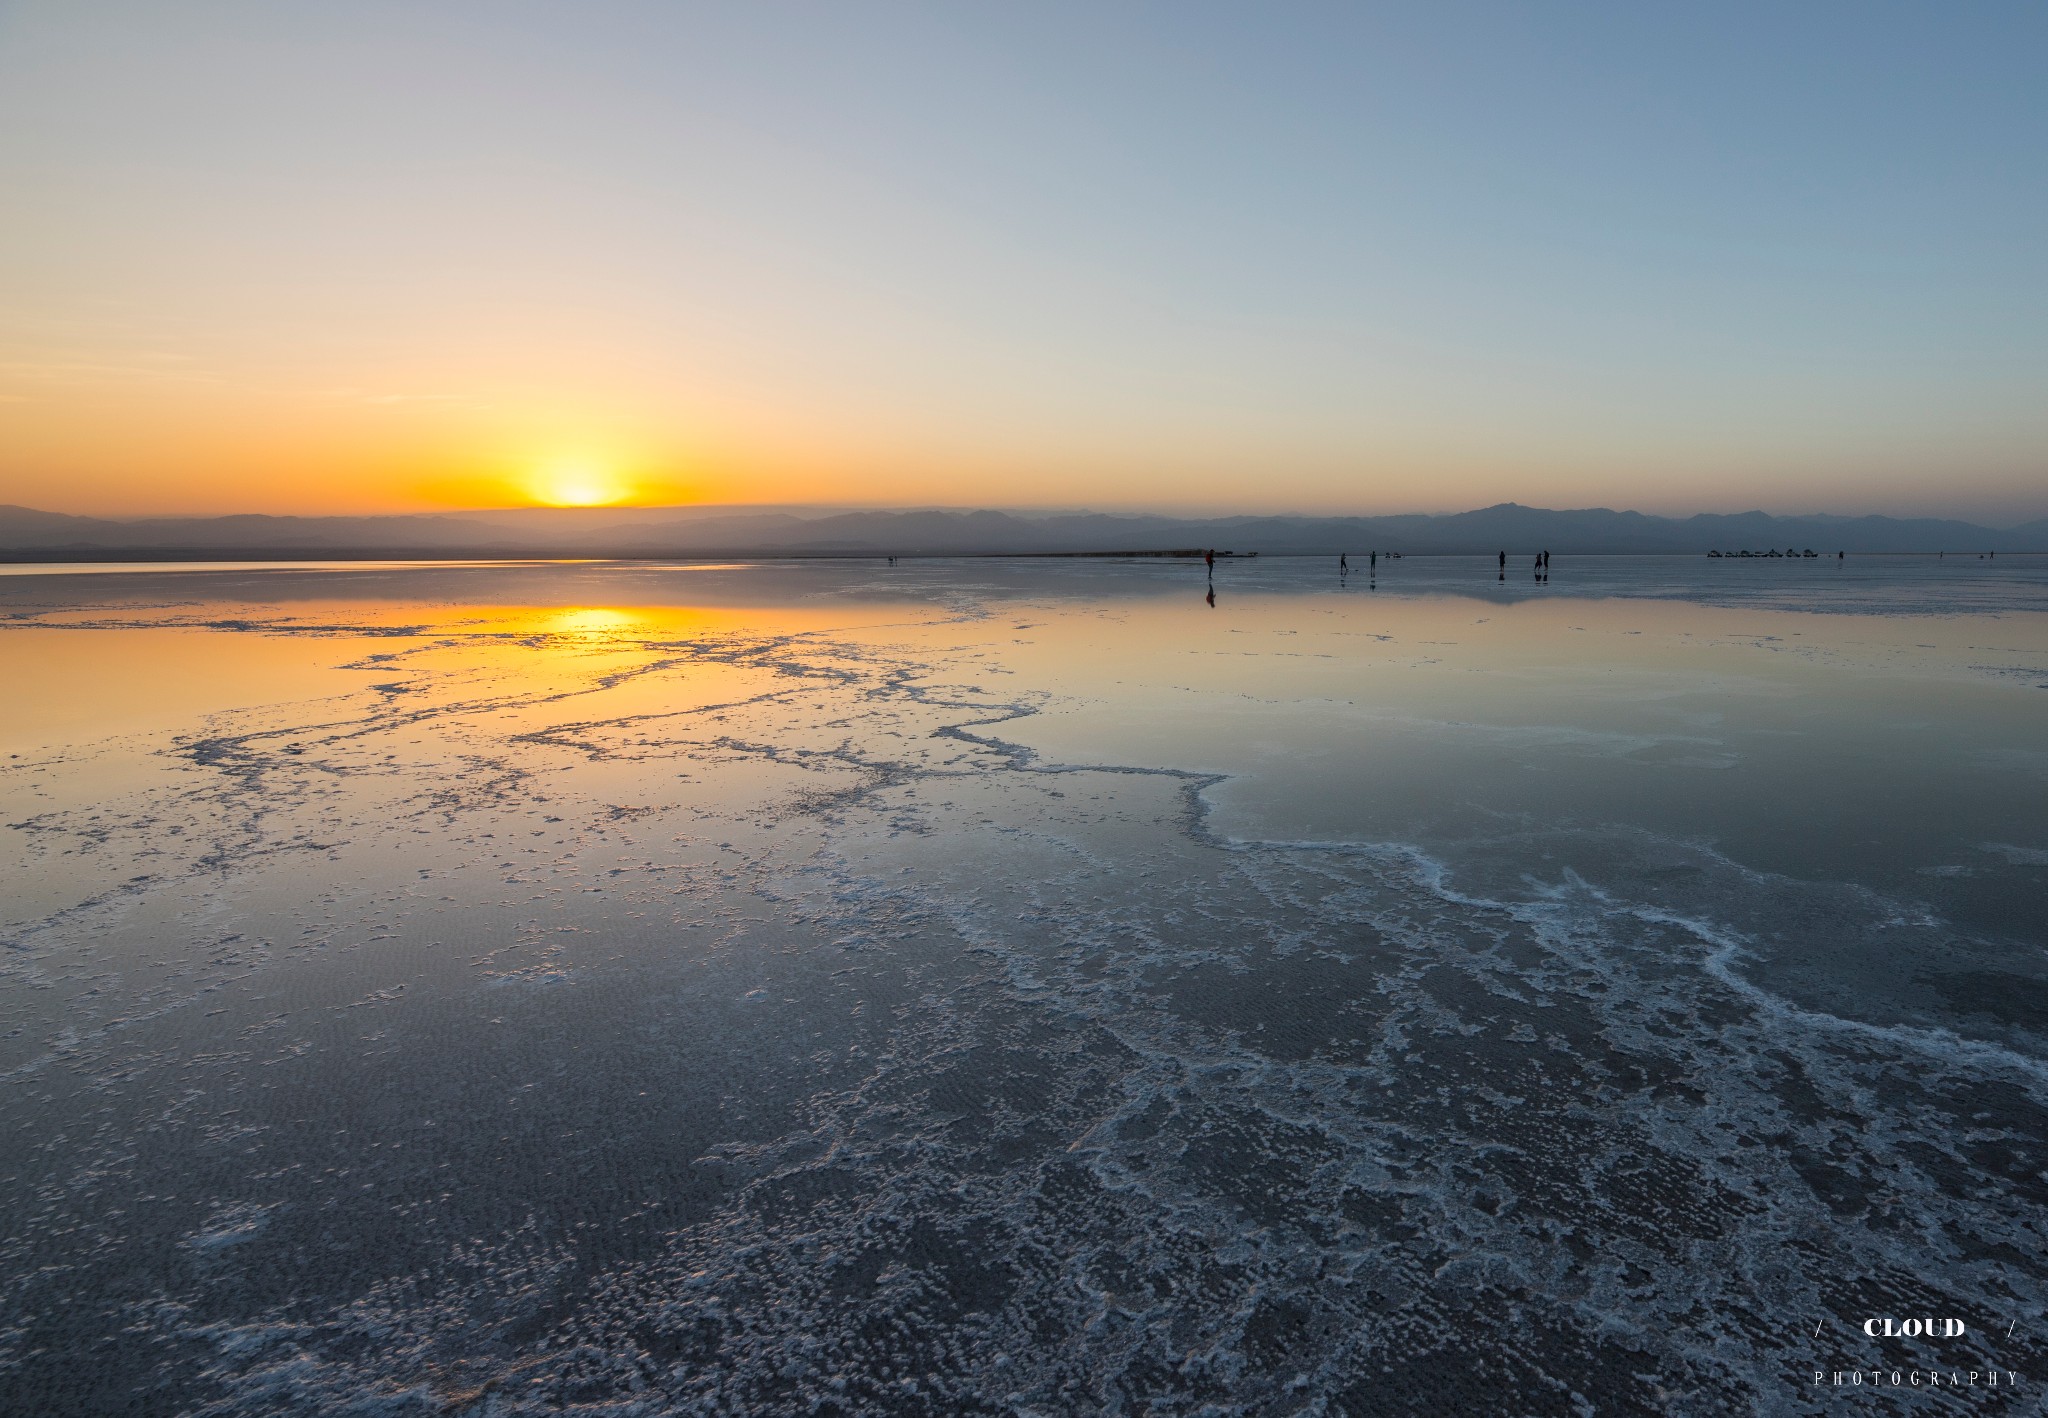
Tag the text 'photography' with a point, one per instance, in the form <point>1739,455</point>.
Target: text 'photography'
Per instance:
<point>912,710</point>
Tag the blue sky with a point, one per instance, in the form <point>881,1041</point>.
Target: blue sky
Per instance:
<point>1301,257</point>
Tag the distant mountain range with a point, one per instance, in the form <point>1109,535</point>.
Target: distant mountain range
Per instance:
<point>29,535</point>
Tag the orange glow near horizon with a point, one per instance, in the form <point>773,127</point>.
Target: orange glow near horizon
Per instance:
<point>579,485</point>
<point>878,268</point>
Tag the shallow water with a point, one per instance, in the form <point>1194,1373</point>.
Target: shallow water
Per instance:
<point>1024,986</point>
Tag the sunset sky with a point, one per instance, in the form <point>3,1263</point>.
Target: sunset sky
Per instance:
<point>1184,257</point>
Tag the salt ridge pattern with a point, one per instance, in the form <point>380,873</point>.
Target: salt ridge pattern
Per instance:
<point>793,1040</point>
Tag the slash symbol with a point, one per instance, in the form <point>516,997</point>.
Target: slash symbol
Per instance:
<point>1816,1328</point>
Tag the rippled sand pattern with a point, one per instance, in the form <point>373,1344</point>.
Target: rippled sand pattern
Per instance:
<point>973,989</point>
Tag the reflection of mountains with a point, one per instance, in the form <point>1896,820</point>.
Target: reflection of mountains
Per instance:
<point>735,531</point>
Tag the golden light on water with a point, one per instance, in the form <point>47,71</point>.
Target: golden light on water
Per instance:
<point>591,620</point>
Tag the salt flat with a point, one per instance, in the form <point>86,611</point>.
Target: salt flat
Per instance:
<point>1021,986</point>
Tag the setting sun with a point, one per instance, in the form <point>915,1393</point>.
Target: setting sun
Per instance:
<point>579,485</point>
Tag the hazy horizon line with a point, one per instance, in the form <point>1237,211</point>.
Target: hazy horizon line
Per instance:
<point>847,507</point>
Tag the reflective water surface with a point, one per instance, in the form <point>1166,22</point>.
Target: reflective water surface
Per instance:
<point>1022,986</point>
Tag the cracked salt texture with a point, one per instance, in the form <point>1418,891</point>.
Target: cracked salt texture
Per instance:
<point>642,990</point>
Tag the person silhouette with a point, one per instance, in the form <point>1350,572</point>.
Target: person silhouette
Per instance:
<point>1503,561</point>
<point>1343,564</point>
<point>1212,595</point>
<point>1374,564</point>
<point>1209,558</point>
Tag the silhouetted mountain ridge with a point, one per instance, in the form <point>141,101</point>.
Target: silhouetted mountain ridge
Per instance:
<point>29,534</point>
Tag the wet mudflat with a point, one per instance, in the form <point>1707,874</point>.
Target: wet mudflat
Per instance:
<point>1023,987</point>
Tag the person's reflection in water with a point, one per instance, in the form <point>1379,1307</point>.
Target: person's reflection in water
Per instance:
<point>1212,595</point>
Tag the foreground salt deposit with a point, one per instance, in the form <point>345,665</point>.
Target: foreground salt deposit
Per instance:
<point>983,987</point>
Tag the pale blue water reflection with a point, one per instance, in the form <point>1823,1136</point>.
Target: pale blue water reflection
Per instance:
<point>1022,986</point>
